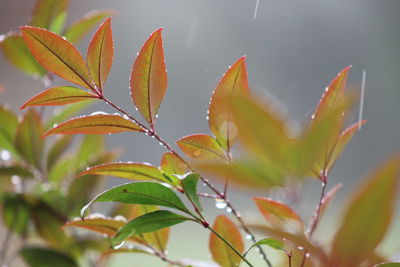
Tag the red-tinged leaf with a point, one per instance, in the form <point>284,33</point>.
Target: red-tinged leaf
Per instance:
<point>79,28</point>
<point>296,240</point>
<point>100,54</point>
<point>233,82</point>
<point>279,214</point>
<point>341,144</point>
<point>49,14</point>
<point>27,138</point>
<point>333,93</point>
<point>102,225</point>
<point>328,198</point>
<point>171,164</point>
<point>149,77</point>
<point>18,54</point>
<point>201,146</point>
<point>129,170</point>
<point>157,239</point>
<point>221,253</point>
<point>95,124</point>
<point>57,55</point>
<point>367,217</point>
<point>60,95</point>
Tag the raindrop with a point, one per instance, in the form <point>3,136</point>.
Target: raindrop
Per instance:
<point>220,203</point>
<point>5,155</point>
<point>119,245</point>
<point>196,153</point>
<point>99,113</point>
<point>156,115</point>
<point>248,237</point>
<point>15,180</point>
<point>228,210</point>
<point>55,125</point>
<point>125,116</point>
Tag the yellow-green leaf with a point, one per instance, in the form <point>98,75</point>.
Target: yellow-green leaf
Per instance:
<point>201,146</point>
<point>171,164</point>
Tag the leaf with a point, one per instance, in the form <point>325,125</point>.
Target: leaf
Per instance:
<point>328,198</point>
<point>140,193</point>
<point>148,223</point>
<point>278,214</point>
<point>15,213</point>
<point>171,164</point>
<point>373,203</point>
<point>81,27</point>
<point>15,170</point>
<point>57,149</point>
<point>189,184</point>
<point>62,114</point>
<point>201,146</point>
<point>388,264</point>
<point>8,127</point>
<point>57,55</point>
<point>95,124</point>
<point>157,239</point>
<point>221,253</point>
<point>129,170</point>
<point>148,80</point>
<point>100,54</point>
<point>60,95</point>
<point>45,257</point>
<point>271,242</point>
<point>105,226</point>
<point>49,14</point>
<point>341,144</point>
<point>18,54</point>
<point>27,138</point>
<point>220,120</point>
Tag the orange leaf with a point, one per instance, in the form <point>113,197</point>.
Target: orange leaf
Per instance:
<point>128,170</point>
<point>57,55</point>
<point>201,146</point>
<point>149,77</point>
<point>95,124</point>
<point>171,164</point>
<point>367,217</point>
<point>221,253</point>
<point>60,95</point>
<point>278,214</point>
<point>233,82</point>
<point>100,54</point>
<point>106,226</point>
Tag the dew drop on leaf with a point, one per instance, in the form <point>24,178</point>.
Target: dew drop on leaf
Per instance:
<point>5,155</point>
<point>15,180</point>
<point>55,125</point>
<point>228,210</point>
<point>248,237</point>
<point>220,203</point>
<point>196,153</point>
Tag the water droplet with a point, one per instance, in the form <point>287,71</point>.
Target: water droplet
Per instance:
<point>300,248</point>
<point>55,125</point>
<point>228,210</point>
<point>15,180</point>
<point>156,116</point>
<point>248,237</point>
<point>98,113</point>
<point>196,153</point>
<point>5,155</point>
<point>125,117</point>
<point>228,130</point>
<point>118,246</point>
<point>220,203</point>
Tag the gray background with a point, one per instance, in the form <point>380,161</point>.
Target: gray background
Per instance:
<point>294,48</point>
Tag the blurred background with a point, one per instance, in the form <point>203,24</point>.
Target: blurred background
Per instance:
<point>293,48</point>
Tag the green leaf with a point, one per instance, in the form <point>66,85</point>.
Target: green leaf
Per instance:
<point>8,127</point>
<point>388,264</point>
<point>9,171</point>
<point>17,53</point>
<point>220,120</point>
<point>57,55</point>
<point>201,146</point>
<point>271,242</point>
<point>49,14</point>
<point>15,213</point>
<point>140,193</point>
<point>129,170</point>
<point>95,124</point>
<point>57,149</point>
<point>367,217</point>
<point>148,223</point>
<point>221,253</point>
<point>189,184</point>
<point>149,77</point>
<point>60,95</point>
<point>45,257</point>
<point>27,138</point>
<point>80,28</point>
<point>171,164</point>
<point>100,54</point>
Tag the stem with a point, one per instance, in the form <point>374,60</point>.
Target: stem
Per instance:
<point>222,195</point>
<point>289,254</point>
<point>230,245</point>
<point>315,220</point>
